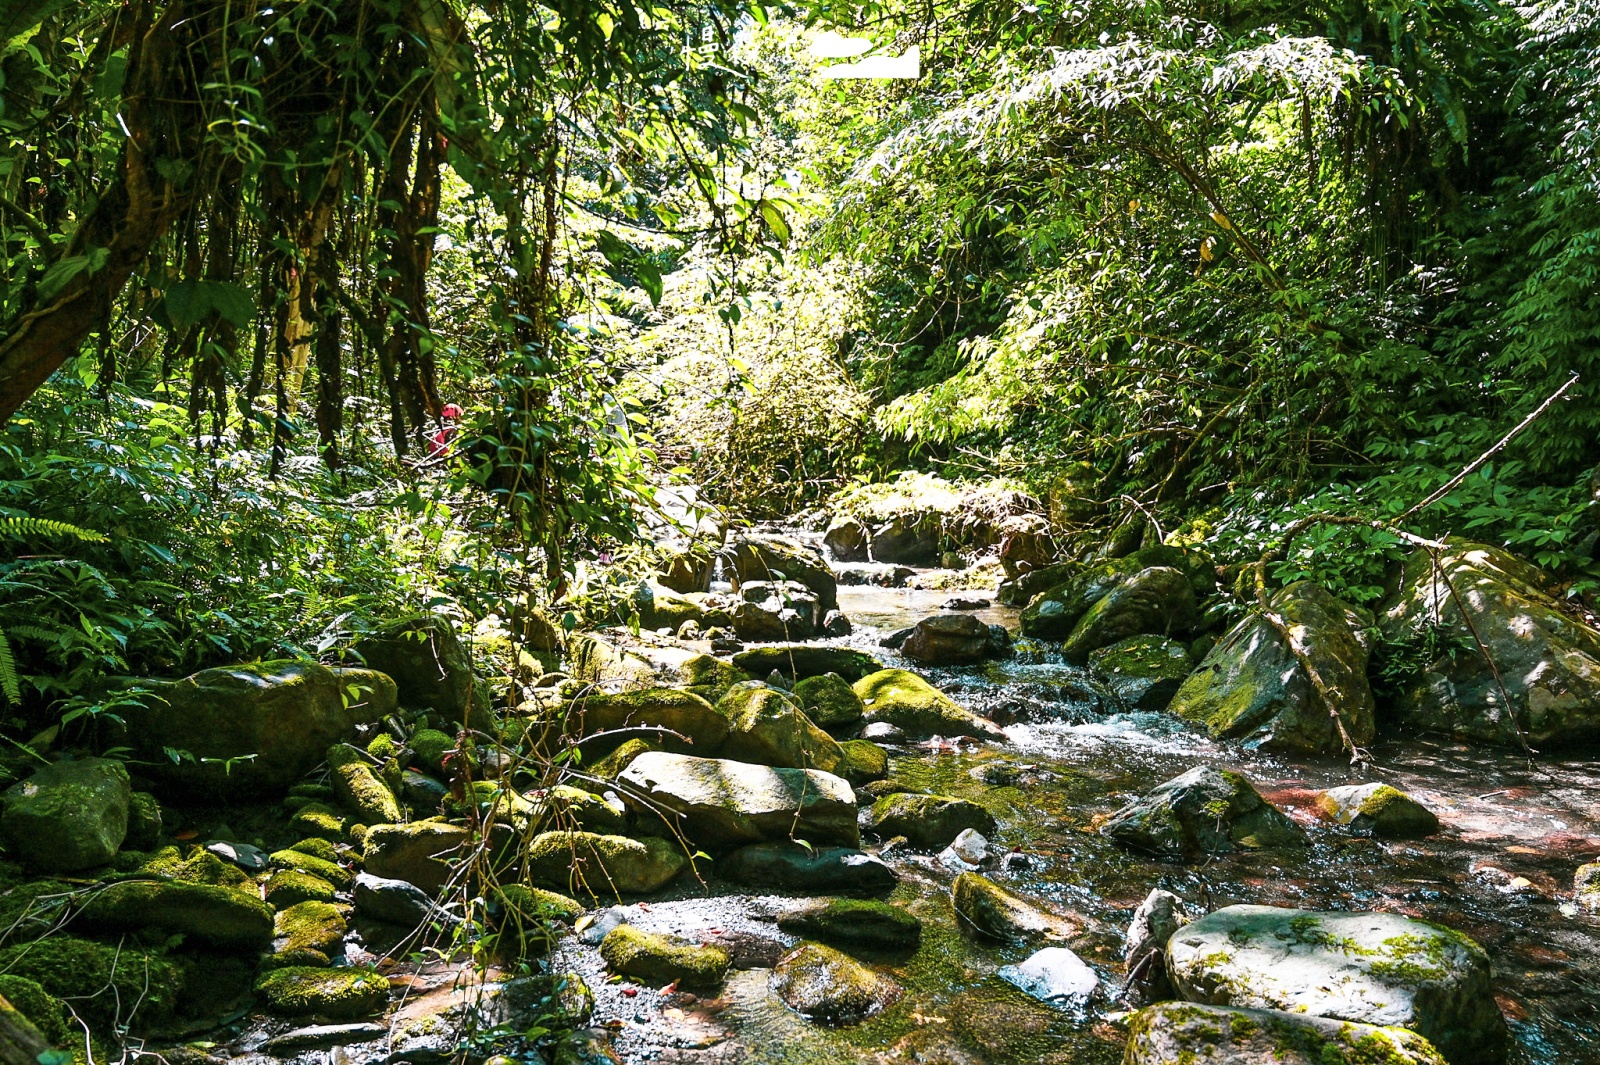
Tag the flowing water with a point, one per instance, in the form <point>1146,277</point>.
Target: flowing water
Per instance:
<point>1500,870</point>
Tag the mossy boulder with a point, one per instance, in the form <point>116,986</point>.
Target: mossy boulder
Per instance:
<point>987,908</point>
<point>219,916</point>
<point>767,727</point>
<point>259,728</point>
<point>1157,600</point>
<point>723,803</point>
<point>927,821</point>
<point>1204,811</point>
<point>68,816</point>
<point>829,700</point>
<point>431,747</point>
<point>657,960</point>
<point>344,994</point>
<point>596,661</point>
<point>38,1007</point>
<point>587,864</point>
<point>566,807</point>
<point>1378,810</point>
<point>672,709</point>
<point>360,789</point>
<point>864,762</point>
<point>304,861</point>
<point>829,987</point>
<point>598,777</point>
<point>1368,968</point>
<point>788,866</point>
<point>710,678</point>
<point>430,666</point>
<point>538,904</point>
<point>1054,613</point>
<point>1176,1033</point>
<point>801,661</point>
<point>286,887</point>
<point>854,923</point>
<point>1142,672</point>
<point>144,822</point>
<point>322,821</point>
<point>917,708</point>
<point>1024,588</point>
<point>948,640</point>
<point>313,926</point>
<point>777,558</point>
<point>101,979</point>
<point>1253,689</point>
<point>199,866</point>
<point>421,852</point>
<point>658,607</point>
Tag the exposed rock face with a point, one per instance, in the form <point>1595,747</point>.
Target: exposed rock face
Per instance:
<point>766,726</point>
<point>948,640</point>
<point>659,607</point>
<point>828,987</point>
<point>1158,607</point>
<point>917,708</point>
<point>776,610</point>
<point>587,864</point>
<point>777,559</point>
<point>787,866</point>
<point>1025,587</point>
<point>986,907</point>
<point>272,722</point>
<point>426,658</point>
<point>420,853</point>
<point>1252,688</point>
<point>68,815</point>
<point>1172,1033</point>
<point>725,803</point>
<point>1370,968</point>
<point>1548,660</point>
<point>927,821</point>
<point>911,539</point>
<point>800,661</point>
<point>1378,810</point>
<point>1156,600</point>
<point>1204,811</point>
<point>1142,672</point>
<point>847,540</point>
<point>596,661</point>
<point>1025,546</point>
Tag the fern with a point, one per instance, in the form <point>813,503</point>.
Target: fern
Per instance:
<point>31,527</point>
<point>10,680</point>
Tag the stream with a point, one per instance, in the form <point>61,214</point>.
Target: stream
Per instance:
<point>1500,870</point>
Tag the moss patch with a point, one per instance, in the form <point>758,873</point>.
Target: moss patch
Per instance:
<point>286,887</point>
<point>200,866</point>
<point>338,994</point>
<point>657,960</point>
<point>855,923</point>
<point>217,915</point>
<point>42,1009</point>
<point>430,746</point>
<point>318,926</point>
<point>333,873</point>
<point>100,979</point>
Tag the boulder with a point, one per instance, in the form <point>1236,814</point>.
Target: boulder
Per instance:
<point>1547,659</point>
<point>1368,968</point>
<point>847,540</point>
<point>863,762</point>
<point>724,803</point>
<point>431,667</point>
<point>777,558</point>
<point>1025,587</point>
<point>596,661</point>
<point>1174,1033</point>
<point>1158,917</point>
<point>657,960</point>
<point>987,908</point>
<point>219,916</point>
<point>917,708</point>
<point>358,787</point>
<point>1157,600</point>
<point>911,539</point>
<point>1025,546</point>
<point>948,640</point>
<point>309,929</point>
<point>799,661</point>
<point>1204,811</point>
<point>770,611</point>
<point>1142,672</point>
<point>659,607</point>
<point>585,863</point>
<point>335,994</point>
<point>256,729</point>
<point>1378,810</point>
<point>829,700</point>
<point>421,853</point>
<point>1251,688</point>
<point>927,821</point>
<point>710,678</point>
<point>788,866</point>
<point>68,816</point>
<point>1053,613</point>
<point>690,716</point>
<point>1055,975</point>
<point>285,887</point>
<point>767,727</point>
<point>685,569</point>
<point>828,987</point>
<point>854,923</point>
<point>395,901</point>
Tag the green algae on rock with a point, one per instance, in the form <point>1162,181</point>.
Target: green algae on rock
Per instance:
<point>864,762</point>
<point>1378,810</point>
<point>710,678</point>
<point>767,727</point>
<point>360,789</point>
<point>199,866</point>
<point>430,747</point>
<point>587,864</point>
<point>657,959</point>
<point>286,887</point>
<point>1204,811</point>
<point>420,852</point>
<point>829,987</point>
<point>307,862</point>
<point>68,816</point>
<point>916,707</point>
<point>216,915</point>
<point>829,700</point>
<point>38,1007</point>
<point>724,803</point>
<point>102,980</point>
<point>854,923</point>
<point>1177,1033</point>
<point>1142,672</point>
<point>927,821</point>
<point>310,926</point>
<point>986,907</point>
<point>338,994</point>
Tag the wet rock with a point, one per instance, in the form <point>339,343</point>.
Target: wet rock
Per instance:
<point>302,861</point>
<point>395,901</point>
<point>829,700</point>
<point>657,960</point>
<point>1378,810</point>
<point>68,816</point>
<point>144,822</point>
<point>883,732</point>
<point>863,763</point>
<point>659,607</point>
<point>896,639</point>
<point>1369,968</point>
<point>217,915</point>
<point>911,539</point>
<point>358,787</point>
<point>948,640</point>
<point>929,822</point>
<point>337,994</point>
<point>1024,588</point>
<point>587,1046</point>
<point>776,558</point>
<point>597,661</point>
<point>674,710</point>
<point>836,625</point>
<point>323,1036</point>
<point>420,852</point>
<point>970,848</point>
<point>586,864</point>
<point>1172,1033</point>
<point>801,661</point>
<point>828,987</point>
<point>710,678</point>
<point>1055,975</point>
<point>986,907</point>
<point>1251,688</point>
<point>1158,607</point>
<point>854,923</point>
<point>284,715</point>
<point>788,866</point>
<point>250,859</point>
<point>1204,811</point>
<point>965,602</point>
<point>1142,672</point>
<point>1586,887</point>
<point>1154,922</point>
<point>725,803</point>
<point>847,540</point>
<point>767,727</point>
<point>1025,545</point>
<point>1548,660</point>
<point>431,667</point>
<point>775,611</point>
<point>916,707</point>
<point>1157,600</point>
<point>875,574</point>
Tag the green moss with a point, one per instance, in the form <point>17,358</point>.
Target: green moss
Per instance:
<point>34,907</point>
<point>311,925</point>
<point>144,822</point>
<point>216,915</point>
<point>317,848</point>
<point>338,994</point>
<point>612,765</point>
<point>383,747</point>
<point>320,820</point>
<point>911,704</point>
<point>526,920</point>
<point>829,700</point>
<point>537,902</point>
<point>855,922</point>
<point>286,887</point>
<point>102,981</point>
<point>335,874</point>
<point>864,762</point>
<point>199,866</point>
<point>430,746</point>
<point>310,791</point>
<point>657,960</point>
<point>42,1009</point>
<point>362,791</point>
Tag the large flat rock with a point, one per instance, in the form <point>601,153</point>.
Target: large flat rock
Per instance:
<point>1177,1033</point>
<point>724,803</point>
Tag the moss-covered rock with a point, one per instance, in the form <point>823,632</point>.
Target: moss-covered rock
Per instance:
<point>725,803</point>
<point>987,908</point>
<point>657,959</point>
<point>101,979</point>
<point>611,766</point>
<point>829,700</point>
<point>430,746</point>
<point>144,822</point>
<point>1378,810</point>
<point>864,762</point>
<point>916,707</point>
<point>305,862</point>
<point>590,865</point>
<point>1142,672</point>
<point>345,994</point>
<point>787,866</point>
<point>854,923</point>
<point>322,821</point>
<point>803,661</point>
<point>68,816</point>
<point>1052,614</point>
<point>1177,1033</point>
<point>1204,811</point>
<point>1157,600</point>
<point>678,711</point>
<point>286,887</point>
<point>595,661</point>
<point>310,926</point>
<point>777,558</point>
<point>430,665</point>
<point>567,807</point>
<point>828,987</point>
<point>420,852</point>
<point>384,747</point>
<point>767,727</point>
<point>39,1007</point>
<point>538,903</point>
<point>216,915</point>
<point>199,866</point>
<point>710,678</point>
<point>927,821</point>
<point>359,787</point>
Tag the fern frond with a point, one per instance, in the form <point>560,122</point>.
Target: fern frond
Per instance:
<point>10,682</point>
<point>28,527</point>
